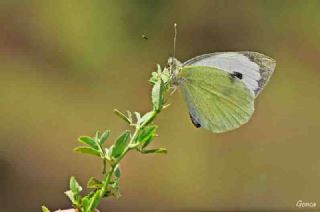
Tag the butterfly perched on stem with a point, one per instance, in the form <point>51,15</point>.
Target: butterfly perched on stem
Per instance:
<point>220,88</point>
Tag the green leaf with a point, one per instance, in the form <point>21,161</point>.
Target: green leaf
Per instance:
<point>129,116</point>
<point>74,192</point>
<point>96,138</point>
<point>120,144</point>
<point>94,201</point>
<point>165,75</point>
<point>159,151</point>
<point>87,150</point>
<point>94,183</point>
<point>109,152</point>
<point>146,135</point>
<point>117,172</point>
<point>116,193</point>
<point>45,209</point>
<point>157,95</point>
<point>89,141</point>
<point>104,137</point>
<point>121,115</point>
<point>85,203</point>
<point>146,118</point>
<point>138,116</point>
<point>159,69</point>
<point>155,76</point>
<point>114,186</point>
<point>74,186</point>
<point>71,196</point>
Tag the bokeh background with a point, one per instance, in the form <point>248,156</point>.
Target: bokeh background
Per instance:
<point>65,65</point>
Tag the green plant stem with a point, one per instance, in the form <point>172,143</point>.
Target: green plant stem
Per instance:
<point>103,190</point>
<point>137,139</point>
<point>108,176</point>
<point>104,163</point>
<point>106,181</point>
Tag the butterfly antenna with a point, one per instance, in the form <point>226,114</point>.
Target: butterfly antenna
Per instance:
<point>171,60</point>
<point>175,40</point>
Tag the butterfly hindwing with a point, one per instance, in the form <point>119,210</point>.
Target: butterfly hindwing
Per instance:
<point>256,68</point>
<point>216,100</point>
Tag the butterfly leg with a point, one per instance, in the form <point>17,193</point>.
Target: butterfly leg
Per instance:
<point>174,88</point>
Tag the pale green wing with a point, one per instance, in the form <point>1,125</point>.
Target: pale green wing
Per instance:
<point>216,100</point>
<point>256,68</point>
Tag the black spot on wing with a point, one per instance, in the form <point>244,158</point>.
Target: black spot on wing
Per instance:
<point>237,74</point>
<point>194,121</point>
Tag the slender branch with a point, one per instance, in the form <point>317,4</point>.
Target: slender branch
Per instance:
<point>106,181</point>
<point>144,132</point>
<point>108,177</point>
<point>104,163</point>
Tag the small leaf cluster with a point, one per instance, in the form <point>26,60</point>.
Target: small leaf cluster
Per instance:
<point>161,84</point>
<point>140,135</point>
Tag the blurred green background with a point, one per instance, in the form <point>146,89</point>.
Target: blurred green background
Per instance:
<point>65,65</point>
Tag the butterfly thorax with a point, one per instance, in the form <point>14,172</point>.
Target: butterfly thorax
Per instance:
<point>174,67</point>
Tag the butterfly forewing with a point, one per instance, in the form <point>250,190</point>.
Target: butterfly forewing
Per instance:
<point>256,68</point>
<point>216,100</point>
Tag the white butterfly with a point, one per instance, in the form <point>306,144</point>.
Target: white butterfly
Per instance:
<point>220,88</point>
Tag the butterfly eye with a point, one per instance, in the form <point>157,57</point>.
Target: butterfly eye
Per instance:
<point>170,61</point>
